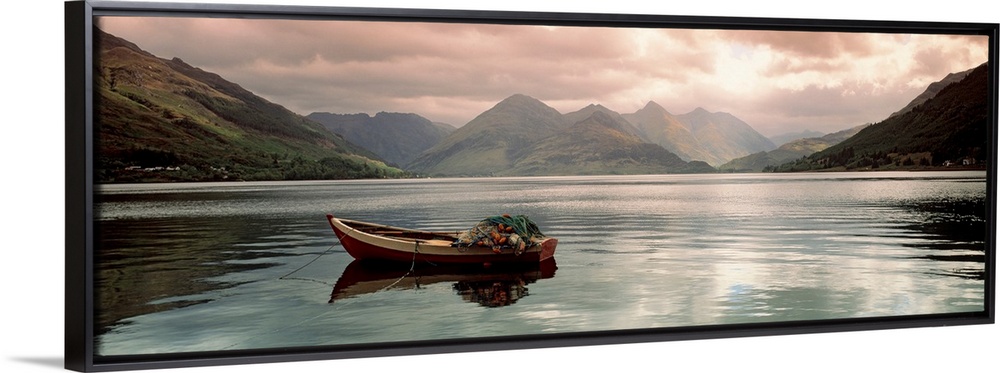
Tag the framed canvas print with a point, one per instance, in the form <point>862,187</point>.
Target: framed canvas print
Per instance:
<point>265,183</point>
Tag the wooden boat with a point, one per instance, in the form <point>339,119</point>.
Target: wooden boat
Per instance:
<point>386,243</point>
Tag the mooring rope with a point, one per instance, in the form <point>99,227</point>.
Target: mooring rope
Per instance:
<point>273,331</point>
<point>310,262</point>
<point>413,265</point>
<point>328,250</point>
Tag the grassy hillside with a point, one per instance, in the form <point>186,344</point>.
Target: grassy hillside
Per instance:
<point>714,138</point>
<point>723,135</point>
<point>664,129</point>
<point>490,143</point>
<point>789,152</point>
<point>950,128</point>
<point>164,120</point>
<point>599,145</point>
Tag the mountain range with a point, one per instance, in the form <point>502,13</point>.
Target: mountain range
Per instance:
<point>504,140</point>
<point>164,120</point>
<point>522,135</point>
<point>699,135</point>
<point>396,137</point>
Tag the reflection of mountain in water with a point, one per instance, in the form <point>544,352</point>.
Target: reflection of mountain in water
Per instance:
<point>490,287</point>
<point>956,232</point>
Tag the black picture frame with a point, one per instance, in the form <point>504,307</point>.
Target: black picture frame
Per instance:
<point>79,186</point>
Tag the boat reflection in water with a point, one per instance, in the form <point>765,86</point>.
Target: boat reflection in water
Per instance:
<point>496,286</point>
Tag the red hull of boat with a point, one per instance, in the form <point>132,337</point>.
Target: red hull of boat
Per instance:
<point>360,249</point>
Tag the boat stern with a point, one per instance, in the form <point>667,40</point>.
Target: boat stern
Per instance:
<point>548,249</point>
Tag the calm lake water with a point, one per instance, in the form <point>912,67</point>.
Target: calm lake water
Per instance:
<point>204,267</point>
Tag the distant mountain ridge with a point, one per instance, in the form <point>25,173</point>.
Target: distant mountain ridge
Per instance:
<point>621,122</point>
<point>508,133</point>
<point>724,135</point>
<point>785,138</point>
<point>396,137</point>
<point>523,136</point>
<point>165,120</point>
<point>490,143</point>
<point>601,144</point>
<point>668,131</point>
<point>699,135</point>
<point>788,152</point>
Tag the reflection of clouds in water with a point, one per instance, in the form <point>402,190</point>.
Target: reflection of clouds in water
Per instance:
<point>846,261</point>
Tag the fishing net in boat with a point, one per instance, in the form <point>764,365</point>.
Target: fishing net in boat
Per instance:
<point>502,233</point>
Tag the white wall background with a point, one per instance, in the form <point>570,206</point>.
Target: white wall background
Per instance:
<point>32,240</point>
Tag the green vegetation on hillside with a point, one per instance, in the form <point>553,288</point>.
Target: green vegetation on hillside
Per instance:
<point>947,130</point>
<point>163,120</point>
<point>788,152</point>
<point>523,136</point>
<point>600,145</point>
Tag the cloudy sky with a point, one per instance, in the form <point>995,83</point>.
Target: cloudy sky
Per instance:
<point>778,82</point>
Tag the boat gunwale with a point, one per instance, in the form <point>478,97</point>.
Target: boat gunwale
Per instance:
<point>348,224</point>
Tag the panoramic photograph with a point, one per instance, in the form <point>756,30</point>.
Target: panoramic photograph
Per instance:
<point>268,183</point>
